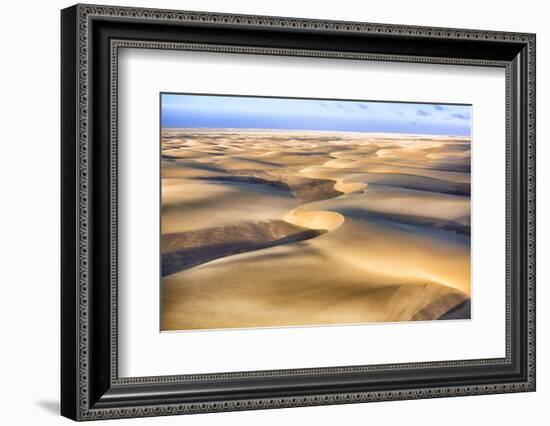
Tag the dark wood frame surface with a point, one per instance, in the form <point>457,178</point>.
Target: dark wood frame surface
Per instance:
<point>90,39</point>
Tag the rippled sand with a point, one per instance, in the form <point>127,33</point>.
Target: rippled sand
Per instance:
<point>271,228</point>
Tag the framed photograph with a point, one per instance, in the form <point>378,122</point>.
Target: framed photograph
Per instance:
<point>263,212</point>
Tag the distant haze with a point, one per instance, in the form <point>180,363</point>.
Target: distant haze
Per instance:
<point>243,112</point>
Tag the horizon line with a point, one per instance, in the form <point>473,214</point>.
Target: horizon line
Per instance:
<point>252,129</point>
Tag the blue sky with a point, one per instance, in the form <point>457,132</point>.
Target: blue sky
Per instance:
<point>205,111</point>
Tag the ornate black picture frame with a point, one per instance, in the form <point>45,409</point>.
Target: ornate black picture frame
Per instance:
<point>91,388</point>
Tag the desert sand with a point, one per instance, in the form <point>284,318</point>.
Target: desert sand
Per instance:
<point>264,228</point>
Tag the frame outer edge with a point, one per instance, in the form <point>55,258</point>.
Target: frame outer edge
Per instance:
<point>83,84</point>
<point>69,192</point>
<point>531,200</point>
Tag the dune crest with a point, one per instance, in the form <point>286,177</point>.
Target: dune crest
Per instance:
<point>326,220</point>
<point>314,220</point>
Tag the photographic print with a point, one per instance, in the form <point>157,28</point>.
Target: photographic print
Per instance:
<point>304,212</point>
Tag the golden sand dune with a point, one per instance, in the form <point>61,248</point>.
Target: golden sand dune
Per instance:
<point>189,204</point>
<point>184,250</point>
<point>269,228</point>
<point>323,219</point>
<point>313,286</point>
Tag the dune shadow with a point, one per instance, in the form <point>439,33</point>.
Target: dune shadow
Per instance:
<point>209,249</point>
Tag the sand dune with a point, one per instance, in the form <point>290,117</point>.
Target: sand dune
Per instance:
<point>269,228</point>
<point>186,249</point>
